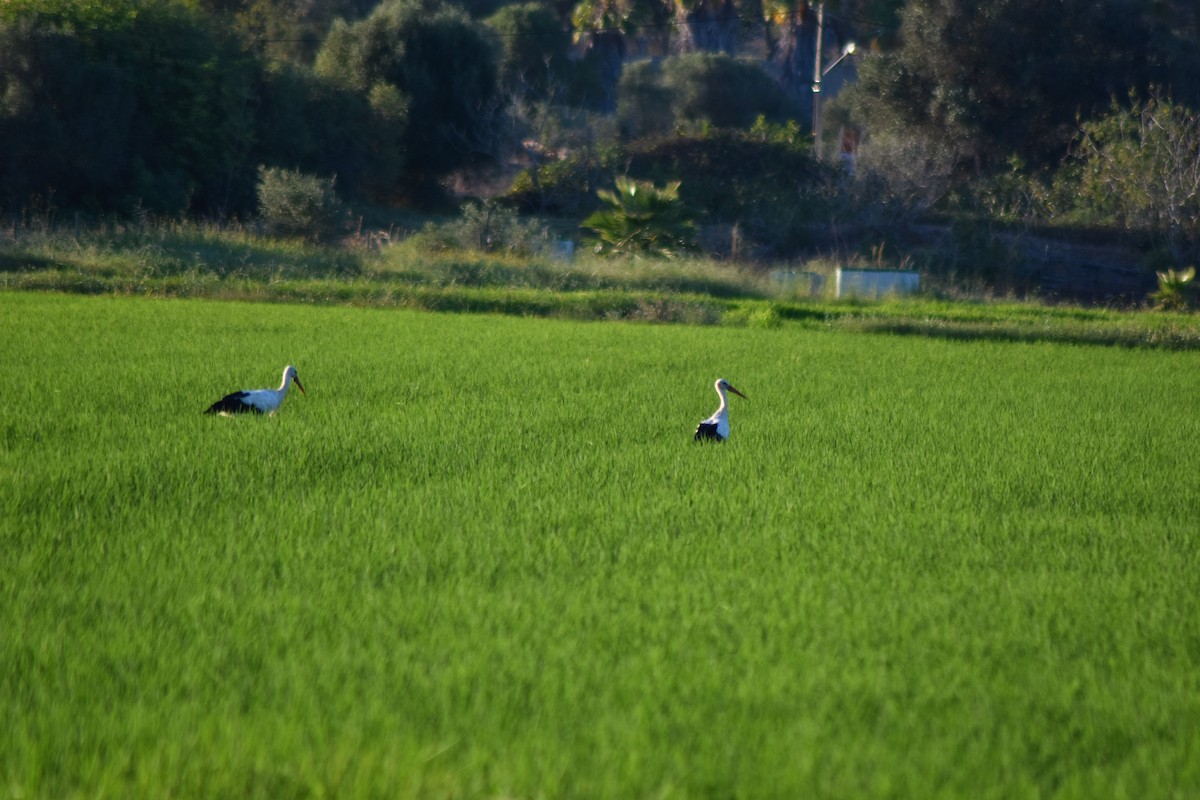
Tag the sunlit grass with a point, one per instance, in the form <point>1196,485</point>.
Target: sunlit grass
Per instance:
<point>483,557</point>
<point>230,262</point>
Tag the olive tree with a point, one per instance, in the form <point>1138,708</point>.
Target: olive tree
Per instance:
<point>427,60</point>
<point>1010,76</point>
<point>1141,167</point>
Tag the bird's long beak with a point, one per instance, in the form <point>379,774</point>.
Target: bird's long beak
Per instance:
<point>299,385</point>
<point>739,394</point>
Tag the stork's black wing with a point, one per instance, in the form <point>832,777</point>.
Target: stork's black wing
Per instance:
<point>233,404</point>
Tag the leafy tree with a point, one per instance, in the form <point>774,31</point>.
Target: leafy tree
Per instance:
<point>533,48</point>
<point>765,180</point>
<point>714,89</point>
<point>641,218</point>
<point>442,69</point>
<point>724,91</point>
<point>126,103</point>
<point>603,25</point>
<point>1141,168</point>
<point>317,126</point>
<point>65,122</point>
<point>1009,76</point>
<point>285,30</point>
<point>644,101</point>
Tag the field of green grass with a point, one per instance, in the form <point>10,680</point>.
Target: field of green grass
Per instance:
<point>483,558</point>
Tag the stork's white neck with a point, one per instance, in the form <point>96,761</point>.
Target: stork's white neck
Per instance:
<point>724,399</point>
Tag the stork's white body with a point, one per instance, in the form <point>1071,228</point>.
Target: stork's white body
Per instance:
<point>257,401</point>
<point>716,427</point>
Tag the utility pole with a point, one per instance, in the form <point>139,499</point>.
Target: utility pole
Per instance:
<point>820,72</point>
<point>816,86</point>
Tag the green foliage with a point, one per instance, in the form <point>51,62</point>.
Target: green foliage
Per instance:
<point>533,49</point>
<point>317,126</point>
<point>1016,195</point>
<point>487,227</point>
<point>697,89</point>
<point>566,186</point>
<point>724,91</point>
<point>440,62</point>
<point>76,15</point>
<point>286,31</point>
<point>602,25</point>
<point>1140,166</point>
<point>1010,77</point>
<point>765,180</point>
<point>1176,291</point>
<point>643,101</point>
<point>149,102</point>
<point>66,122</point>
<point>642,218</point>
<point>293,204</point>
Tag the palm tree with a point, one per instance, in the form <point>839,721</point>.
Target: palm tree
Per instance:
<point>642,218</point>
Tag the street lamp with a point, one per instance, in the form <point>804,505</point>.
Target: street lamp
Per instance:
<point>819,73</point>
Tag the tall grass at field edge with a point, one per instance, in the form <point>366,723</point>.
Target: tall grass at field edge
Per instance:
<point>231,263</point>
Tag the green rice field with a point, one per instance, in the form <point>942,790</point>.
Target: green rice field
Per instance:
<point>483,558</point>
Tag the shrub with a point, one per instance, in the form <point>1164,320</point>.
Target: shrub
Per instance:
<point>1176,292</point>
<point>643,102</point>
<point>490,228</point>
<point>291,203</point>
<point>533,48</point>
<point>441,63</point>
<point>724,91</point>
<point>697,89</point>
<point>1141,166</point>
<point>765,180</point>
<point>641,218</point>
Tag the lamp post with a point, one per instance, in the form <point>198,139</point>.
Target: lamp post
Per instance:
<point>819,73</point>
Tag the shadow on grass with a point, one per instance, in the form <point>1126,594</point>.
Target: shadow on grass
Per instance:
<point>1165,338</point>
<point>25,262</point>
<point>583,299</point>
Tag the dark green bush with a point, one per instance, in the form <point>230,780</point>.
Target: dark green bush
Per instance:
<point>533,48</point>
<point>724,91</point>
<point>765,180</point>
<point>1141,169</point>
<point>124,104</point>
<point>655,97</point>
<point>439,61</point>
<point>644,101</point>
<point>293,204</point>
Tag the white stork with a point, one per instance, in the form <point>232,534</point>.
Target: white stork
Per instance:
<point>716,427</point>
<point>257,401</point>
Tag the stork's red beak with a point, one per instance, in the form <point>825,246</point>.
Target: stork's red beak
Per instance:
<point>739,394</point>
<point>299,385</point>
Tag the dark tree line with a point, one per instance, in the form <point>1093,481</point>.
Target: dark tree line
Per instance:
<point>1015,78</point>
<point>158,105</point>
<point>173,106</point>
